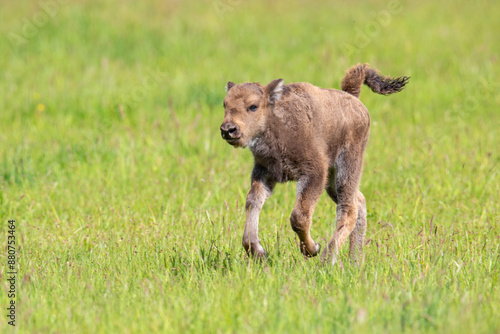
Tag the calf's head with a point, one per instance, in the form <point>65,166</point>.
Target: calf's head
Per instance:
<point>247,107</point>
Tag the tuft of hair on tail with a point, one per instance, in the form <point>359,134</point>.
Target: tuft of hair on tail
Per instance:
<point>358,75</point>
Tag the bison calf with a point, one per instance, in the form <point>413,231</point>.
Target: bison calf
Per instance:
<point>299,132</point>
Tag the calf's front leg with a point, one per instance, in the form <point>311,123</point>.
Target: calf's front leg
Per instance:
<point>309,189</point>
<point>260,190</point>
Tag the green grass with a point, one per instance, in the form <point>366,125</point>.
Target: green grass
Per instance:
<point>130,208</point>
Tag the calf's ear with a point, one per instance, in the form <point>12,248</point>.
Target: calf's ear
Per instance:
<point>274,90</point>
<point>229,85</point>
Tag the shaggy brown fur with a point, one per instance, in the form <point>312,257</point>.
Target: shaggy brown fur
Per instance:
<point>300,132</point>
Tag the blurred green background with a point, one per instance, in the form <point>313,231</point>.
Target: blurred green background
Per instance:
<point>130,208</point>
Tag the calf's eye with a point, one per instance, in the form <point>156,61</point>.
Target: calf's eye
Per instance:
<point>253,107</point>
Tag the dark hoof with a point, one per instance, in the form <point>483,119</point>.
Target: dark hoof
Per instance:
<point>256,251</point>
<point>307,253</point>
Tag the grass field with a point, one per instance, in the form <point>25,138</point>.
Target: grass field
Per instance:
<point>129,207</point>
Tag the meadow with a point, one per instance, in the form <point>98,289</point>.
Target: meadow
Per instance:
<point>129,207</point>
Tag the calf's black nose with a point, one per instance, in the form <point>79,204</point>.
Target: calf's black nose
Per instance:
<point>228,130</point>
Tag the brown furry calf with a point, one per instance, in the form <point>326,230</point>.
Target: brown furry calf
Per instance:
<point>299,132</point>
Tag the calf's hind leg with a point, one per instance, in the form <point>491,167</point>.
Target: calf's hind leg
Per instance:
<point>343,189</point>
<point>358,233</point>
<point>357,236</point>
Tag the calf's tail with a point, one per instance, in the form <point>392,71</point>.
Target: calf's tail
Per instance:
<point>358,75</point>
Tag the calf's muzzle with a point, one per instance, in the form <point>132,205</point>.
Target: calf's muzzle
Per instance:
<point>229,130</point>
